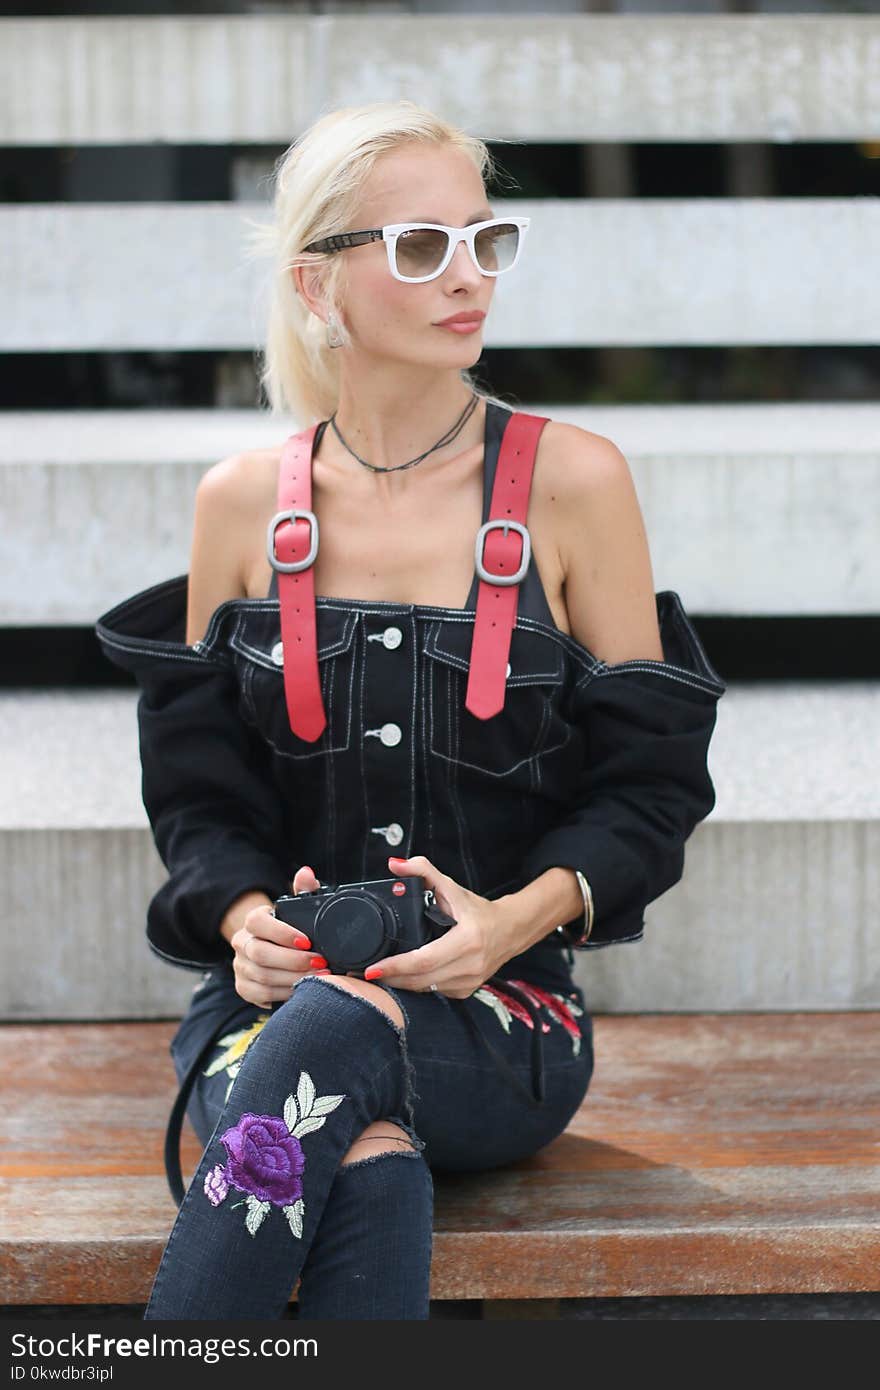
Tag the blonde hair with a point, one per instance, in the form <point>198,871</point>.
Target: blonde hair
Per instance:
<point>318,183</point>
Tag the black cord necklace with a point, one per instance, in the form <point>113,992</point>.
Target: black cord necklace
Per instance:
<point>447,439</point>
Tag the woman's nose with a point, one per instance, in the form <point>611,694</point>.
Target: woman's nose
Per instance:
<point>462,265</point>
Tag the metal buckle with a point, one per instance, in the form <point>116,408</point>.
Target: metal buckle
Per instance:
<point>288,567</point>
<point>480,543</point>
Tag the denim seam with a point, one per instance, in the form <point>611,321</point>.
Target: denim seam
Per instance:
<point>662,668</point>
<point>461,820</point>
<point>181,961</point>
<point>435,652</point>
<point>409,1073</point>
<point>453,732</point>
<point>330,818</point>
<point>567,643</point>
<point>328,688</point>
<point>429,613</point>
<point>264,658</point>
<point>540,752</point>
<point>424,695</point>
<point>247,690</point>
<point>328,695</point>
<point>364,780</point>
<point>151,645</point>
<point>190,1192</point>
<point>413,667</point>
<point>430,678</point>
<point>350,691</point>
<point>614,941</point>
<point>514,767</point>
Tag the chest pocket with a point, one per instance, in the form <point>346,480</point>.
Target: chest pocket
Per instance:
<point>530,724</point>
<point>259,659</point>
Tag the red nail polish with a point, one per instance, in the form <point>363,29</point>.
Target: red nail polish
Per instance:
<point>302,942</point>
<point>372,972</point>
<point>318,962</point>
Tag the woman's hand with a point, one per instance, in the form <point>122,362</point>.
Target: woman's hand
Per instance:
<point>271,956</point>
<point>460,960</point>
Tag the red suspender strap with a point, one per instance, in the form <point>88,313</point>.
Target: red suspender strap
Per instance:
<point>502,554</point>
<point>502,564</point>
<point>291,545</point>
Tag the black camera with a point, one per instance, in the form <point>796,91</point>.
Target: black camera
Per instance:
<point>353,924</point>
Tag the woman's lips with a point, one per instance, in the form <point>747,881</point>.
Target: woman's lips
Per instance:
<point>461,327</point>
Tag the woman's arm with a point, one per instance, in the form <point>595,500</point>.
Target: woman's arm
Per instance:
<point>647,710</point>
<point>208,792</point>
<point>233,919</point>
<point>536,910</point>
<point>604,556</point>
<point>224,521</point>
<point>206,779</point>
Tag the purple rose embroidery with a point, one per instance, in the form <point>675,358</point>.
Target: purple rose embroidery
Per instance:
<point>216,1186</point>
<point>265,1159</point>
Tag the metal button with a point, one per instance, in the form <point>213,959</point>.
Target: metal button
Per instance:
<point>394,833</point>
<point>278,653</point>
<point>392,637</point>
<point>390,734</point>
<point>508,668</point>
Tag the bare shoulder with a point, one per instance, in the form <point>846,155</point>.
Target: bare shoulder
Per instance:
<point>579,462</point>
<point>603,546</point>
<point>230,498</point>
<point>581,482</point>
<point>237,481</point>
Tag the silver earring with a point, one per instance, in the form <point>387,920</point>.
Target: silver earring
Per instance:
<point>334,336</point>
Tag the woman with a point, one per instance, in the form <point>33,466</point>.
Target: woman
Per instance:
<point>326,1100</point>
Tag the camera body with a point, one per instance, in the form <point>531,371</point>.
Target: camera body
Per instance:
<point>353,924</point>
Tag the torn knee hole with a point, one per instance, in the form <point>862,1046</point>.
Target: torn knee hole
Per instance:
<point>411,1156</point>
<point>375,996</point>
<point>376,1143</point>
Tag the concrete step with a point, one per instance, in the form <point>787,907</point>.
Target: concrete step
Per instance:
<point>737,500</point>
<point>256,78</point>
<point>777,908</point>
<point>684,270</point>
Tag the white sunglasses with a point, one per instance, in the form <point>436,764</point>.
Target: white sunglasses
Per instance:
<point>419,251</point>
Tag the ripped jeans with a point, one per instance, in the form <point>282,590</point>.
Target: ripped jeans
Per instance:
<point>273,1209</point>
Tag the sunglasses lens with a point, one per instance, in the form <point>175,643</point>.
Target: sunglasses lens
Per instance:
<point>420,251</point>
<point>496,246</point>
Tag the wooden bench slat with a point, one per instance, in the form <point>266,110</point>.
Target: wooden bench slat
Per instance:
<point>714,1153</point>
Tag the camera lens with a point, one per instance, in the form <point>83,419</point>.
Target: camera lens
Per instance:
<point>354,927</point>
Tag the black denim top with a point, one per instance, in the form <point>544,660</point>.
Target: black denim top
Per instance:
<point>589,766</point>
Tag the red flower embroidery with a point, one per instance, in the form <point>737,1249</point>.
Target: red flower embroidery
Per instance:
<point>558,1007</point>
<point>515,1006</point>
<point>505,1007</point>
